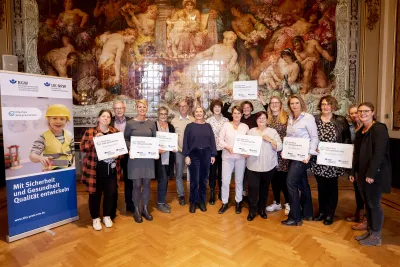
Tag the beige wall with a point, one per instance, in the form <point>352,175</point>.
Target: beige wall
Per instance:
<point>377,59</point>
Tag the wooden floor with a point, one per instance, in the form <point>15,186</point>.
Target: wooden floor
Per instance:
<point>206,239</point>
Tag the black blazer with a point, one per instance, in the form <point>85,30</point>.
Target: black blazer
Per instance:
<point>372,157</point>
<point>158,163</point>
<point>342,128</point>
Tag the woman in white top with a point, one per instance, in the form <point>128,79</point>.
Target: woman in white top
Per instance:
<point>261,169</point>
<point>216,121</point>
<point>231,160</point>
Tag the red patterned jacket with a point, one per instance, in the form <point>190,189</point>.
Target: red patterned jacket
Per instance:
<point>90,159</point>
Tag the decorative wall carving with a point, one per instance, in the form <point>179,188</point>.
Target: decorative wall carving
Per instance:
<point>342,79</point>
<point>373,10</point>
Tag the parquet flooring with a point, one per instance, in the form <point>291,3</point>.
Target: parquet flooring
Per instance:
<point>207,239</point>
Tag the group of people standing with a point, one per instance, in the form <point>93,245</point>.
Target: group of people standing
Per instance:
<point>206,147</point>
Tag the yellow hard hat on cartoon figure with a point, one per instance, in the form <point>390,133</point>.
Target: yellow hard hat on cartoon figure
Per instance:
<point>58,110</point>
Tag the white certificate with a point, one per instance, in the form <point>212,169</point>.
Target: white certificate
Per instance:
<point>247,145</point>
<point>335,154</point>
<point>144,148</point>
<point>295,148</point>
<point>243,90</point>
<point>110,145</point>
<point>167,141</point>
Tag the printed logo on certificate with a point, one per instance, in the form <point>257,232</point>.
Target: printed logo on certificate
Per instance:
<point>167,141</point>
<point>247,145</point>
<point>335,154</point>
<point>110,145</point>
<point>144,148</point>
<point>295,148</point>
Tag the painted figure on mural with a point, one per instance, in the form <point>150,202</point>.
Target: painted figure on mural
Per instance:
<point>57,60</point>
<point>308,53</point>
<point>144,23</point>
<point>200,46</point>
<point>111,12</point>
<point>113,45</point>
<point>184,36</point>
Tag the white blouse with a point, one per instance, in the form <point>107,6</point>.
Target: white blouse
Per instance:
<point>268,158</point>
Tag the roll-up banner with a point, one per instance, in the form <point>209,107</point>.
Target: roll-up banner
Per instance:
<point>38,152</point>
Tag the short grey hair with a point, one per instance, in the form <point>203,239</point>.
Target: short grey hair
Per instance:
<point>119,102</point>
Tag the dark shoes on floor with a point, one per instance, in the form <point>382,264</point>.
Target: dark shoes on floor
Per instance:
<point>251,217</point>
<point>192,208</point>
<point>182,201</point>
<point>202,206</point>
<point>238,208</point>
<point>263,214</point>
<point>146,214</point>
<point>319,217</point>
<point>328,220</point>
<point>223,208</point>
<point>290,222</point>
<point>212,197</point>
<point>137,215</point>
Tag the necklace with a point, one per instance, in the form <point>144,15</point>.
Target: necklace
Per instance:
<point>366,130</point>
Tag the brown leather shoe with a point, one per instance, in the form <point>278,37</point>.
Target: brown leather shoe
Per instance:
<point>357,217</point>
<point>361,226</point>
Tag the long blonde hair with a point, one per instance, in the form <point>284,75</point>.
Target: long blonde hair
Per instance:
<point>282,117</point>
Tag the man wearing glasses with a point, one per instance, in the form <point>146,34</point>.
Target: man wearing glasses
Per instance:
<point>180,122</point>
<point>119,122</point>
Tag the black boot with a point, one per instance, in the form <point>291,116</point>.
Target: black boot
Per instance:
<point>202,207</point>
<point>223,208</point>
<point>146,214</point>
<point>238,208</point>
<point>137,216</point>
<point>192,208</point>
<point>212,197</point>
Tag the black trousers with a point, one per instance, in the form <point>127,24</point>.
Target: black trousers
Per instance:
<point>216,171</point>
<point>279,184</point>
<point>108,187</point>
<point>258,188</point>
<point>373,208</point>
<point>128,183</point>
<point>359,198</point>
<point>297,181</point>
<point>327,195</point>
<point>199,167</point>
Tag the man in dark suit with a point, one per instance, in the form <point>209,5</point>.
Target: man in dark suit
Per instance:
<point>119,121</point>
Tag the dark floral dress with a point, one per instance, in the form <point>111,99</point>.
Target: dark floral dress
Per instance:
<point>283,164</point>
<point>326,133</point>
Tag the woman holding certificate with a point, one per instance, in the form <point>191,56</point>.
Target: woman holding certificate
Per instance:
<point>277,119</point>
<point>199,150</point>
<point>232,160</point>
<point>100,176</point>
<point>332,128</point>
<point>165,164</point>
<point>261,168</point>
<point>372,163</point>
<point>300,125</point>
<point>216,121</point>
<point>140,170</point>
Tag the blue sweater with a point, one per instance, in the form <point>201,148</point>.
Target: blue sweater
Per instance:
<point>198,136</point>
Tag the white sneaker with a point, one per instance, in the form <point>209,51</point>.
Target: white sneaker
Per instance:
<point>97,224</point>
<point>107,221</point>
<point>274,206</point>
<point>287,209</point>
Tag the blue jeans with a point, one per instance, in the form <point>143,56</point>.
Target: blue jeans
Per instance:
<point>162,185</point>
<point>199,167</point>
<point>180,163</point>
<point>297,180</point>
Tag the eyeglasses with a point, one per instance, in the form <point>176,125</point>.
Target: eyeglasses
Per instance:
<point>119,108</point>
<point>274,103</point>
<point>325,104</point>
<point>363,111</point>
<point>163,114</point>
